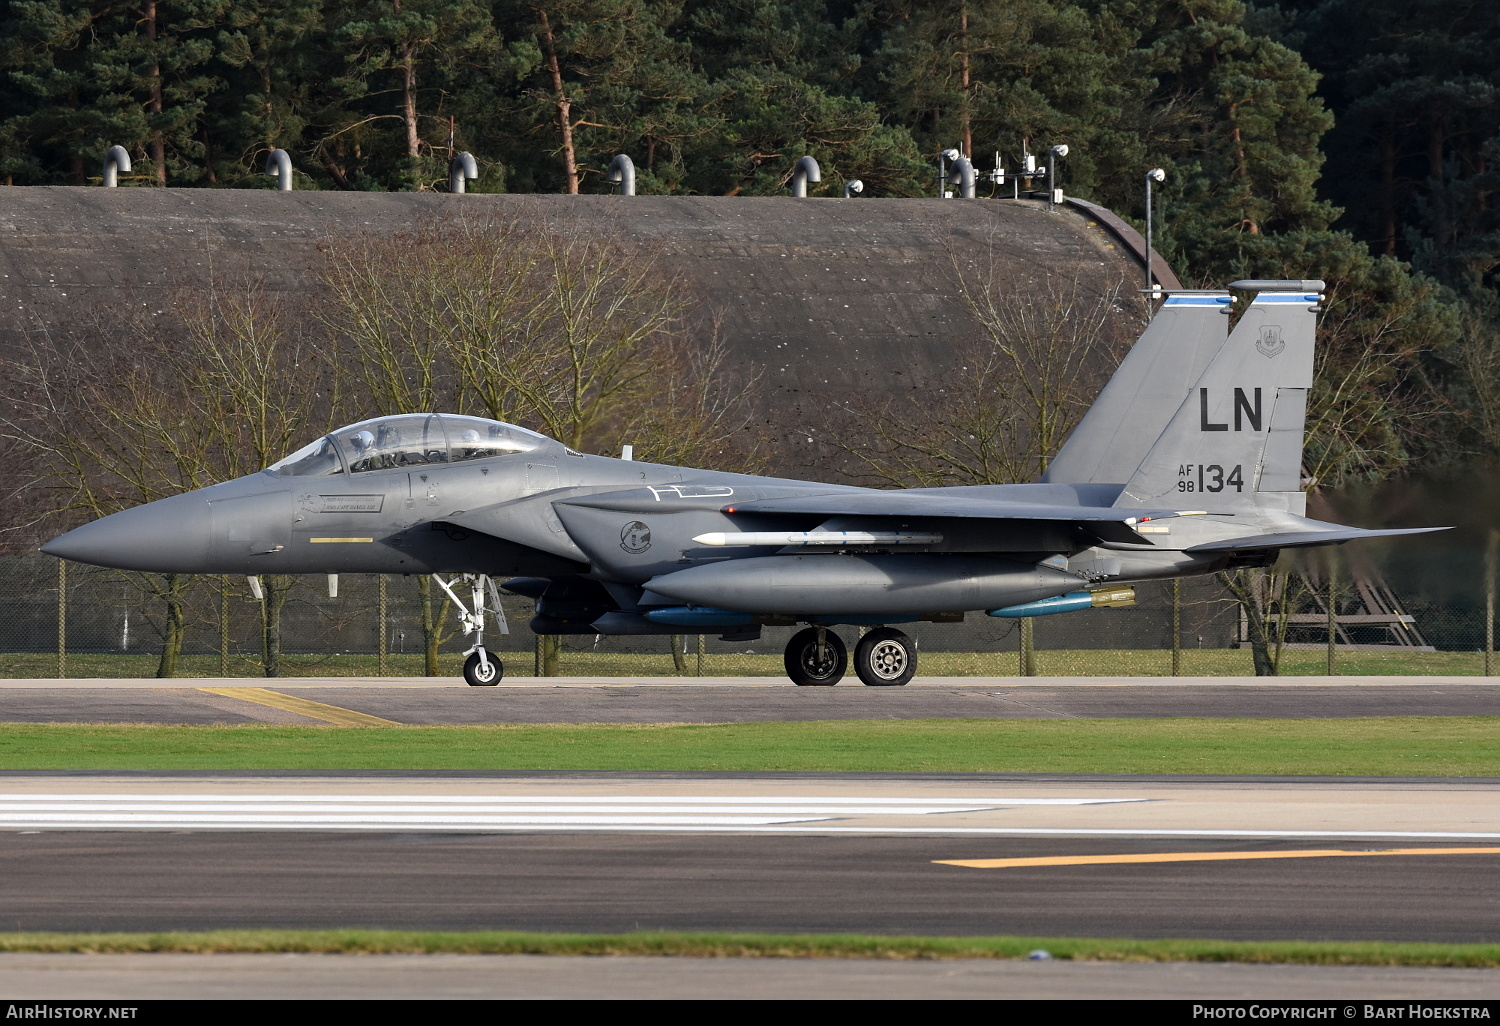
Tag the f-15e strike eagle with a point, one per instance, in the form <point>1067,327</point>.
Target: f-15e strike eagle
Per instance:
<point>1187,463</point>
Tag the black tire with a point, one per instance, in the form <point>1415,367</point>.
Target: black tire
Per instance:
<point>885,657</point>
<point>808,667</point>
<point>475,675</point>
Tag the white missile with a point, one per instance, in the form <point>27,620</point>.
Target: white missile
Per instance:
<point>784,538</point>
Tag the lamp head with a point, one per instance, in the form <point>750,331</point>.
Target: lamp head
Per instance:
<point>1060,150</point>
<point>1157,175</point>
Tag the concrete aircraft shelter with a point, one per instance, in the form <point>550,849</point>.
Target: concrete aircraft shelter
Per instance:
<point>809,293</point>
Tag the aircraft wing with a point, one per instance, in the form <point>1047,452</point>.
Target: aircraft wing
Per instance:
<point>1302,539</point>
<point>1107,523</point>
<point>909,504</point>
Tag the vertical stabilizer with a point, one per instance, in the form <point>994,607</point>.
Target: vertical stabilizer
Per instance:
<point>1135,405</point>
<point>1235,443</point>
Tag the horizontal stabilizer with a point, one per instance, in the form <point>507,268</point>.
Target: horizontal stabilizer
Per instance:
<point>1303,539</point>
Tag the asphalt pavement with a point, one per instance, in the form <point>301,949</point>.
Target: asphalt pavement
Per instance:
<point>730,700</point>
<point>1329,859</point>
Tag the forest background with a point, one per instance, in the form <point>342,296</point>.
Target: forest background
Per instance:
<point>1333,139</point>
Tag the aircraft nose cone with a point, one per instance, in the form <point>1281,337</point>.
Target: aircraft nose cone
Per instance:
<point>166,536</point>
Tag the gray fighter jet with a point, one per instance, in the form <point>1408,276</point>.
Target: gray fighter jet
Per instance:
<point>1188,463</point>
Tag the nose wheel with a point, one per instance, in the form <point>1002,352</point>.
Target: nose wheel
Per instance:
<point>481,669</point>
<point>885,657</point>
<point>816,657</point>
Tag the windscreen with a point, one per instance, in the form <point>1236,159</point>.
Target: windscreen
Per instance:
<point>316,459</point>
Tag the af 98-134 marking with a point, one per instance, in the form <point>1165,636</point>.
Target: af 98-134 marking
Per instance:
<point>1197,477</point>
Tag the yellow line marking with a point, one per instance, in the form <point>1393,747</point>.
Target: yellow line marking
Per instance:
<point>303,707</point>
<point>324,541</point>
<point>1201,856</point>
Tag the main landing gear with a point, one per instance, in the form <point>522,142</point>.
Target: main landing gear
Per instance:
<point>816,657</point>
<point>481,669</point>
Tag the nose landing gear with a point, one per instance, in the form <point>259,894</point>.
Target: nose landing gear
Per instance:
<point>481,669</point>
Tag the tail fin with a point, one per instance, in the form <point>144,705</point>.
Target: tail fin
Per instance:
<point>1235,442</point>
<point>1134,407</point>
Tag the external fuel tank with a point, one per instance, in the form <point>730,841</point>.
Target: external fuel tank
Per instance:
<point>868,584</point>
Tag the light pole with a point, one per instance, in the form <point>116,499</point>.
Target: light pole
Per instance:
<point>1060,150</point>
<point>1157,175</point>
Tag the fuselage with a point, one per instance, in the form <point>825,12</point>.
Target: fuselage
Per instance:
<point>424,494</point>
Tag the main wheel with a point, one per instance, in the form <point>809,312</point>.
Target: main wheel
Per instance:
<point>885,657</point>
<point>483,673</point>
<point>812,661</point>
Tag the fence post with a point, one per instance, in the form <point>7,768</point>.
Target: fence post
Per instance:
<point>380,646</point>
<point>1491,557</point>
<point>1027,666</point>
<point>62,618</point>
<point>700,654</point>
<point>223,625</point>
<point>679,654</point>
<point>1333,614</point>
<point>1176,627</point>
<point>548,648</point>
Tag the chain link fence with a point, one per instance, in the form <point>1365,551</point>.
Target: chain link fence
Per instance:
<point>69,620</point>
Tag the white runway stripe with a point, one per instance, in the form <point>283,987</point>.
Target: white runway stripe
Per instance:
<point>371,821</point>
<point>470,812</point>
<point>477,808</point>
<point>653,800</point>
<point>744,826</point>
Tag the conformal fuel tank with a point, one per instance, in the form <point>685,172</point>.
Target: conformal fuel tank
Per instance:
<point>863,584</point>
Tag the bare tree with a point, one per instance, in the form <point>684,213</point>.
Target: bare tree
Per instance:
<point>1267,599</point>
<point>261,391</point>
<point>1025,378</point>
<point>562,329</point>
<point>1369,401</point>
<point>602,334</point>
<point>123,408</point>
<point>106,426</point>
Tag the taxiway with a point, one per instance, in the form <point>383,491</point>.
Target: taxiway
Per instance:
<point>424,700</point>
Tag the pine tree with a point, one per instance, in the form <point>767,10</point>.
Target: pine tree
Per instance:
<point>45,132</point>
<point>784,79</point>
<point>402,57</point>
<point>274,67</point>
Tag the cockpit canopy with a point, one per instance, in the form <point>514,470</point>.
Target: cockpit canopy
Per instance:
<point>407,440</point>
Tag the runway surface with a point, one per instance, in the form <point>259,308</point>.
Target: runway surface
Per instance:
<point>398,977</point>
<point>424,700</point>
<point>870,853</point>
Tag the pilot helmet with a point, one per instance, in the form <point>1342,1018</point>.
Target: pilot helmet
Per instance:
<point>469,437</point>
<point>362,440</point>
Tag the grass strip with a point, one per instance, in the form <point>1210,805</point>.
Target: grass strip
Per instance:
<point>1383,746</point>
<point>756,945</point>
